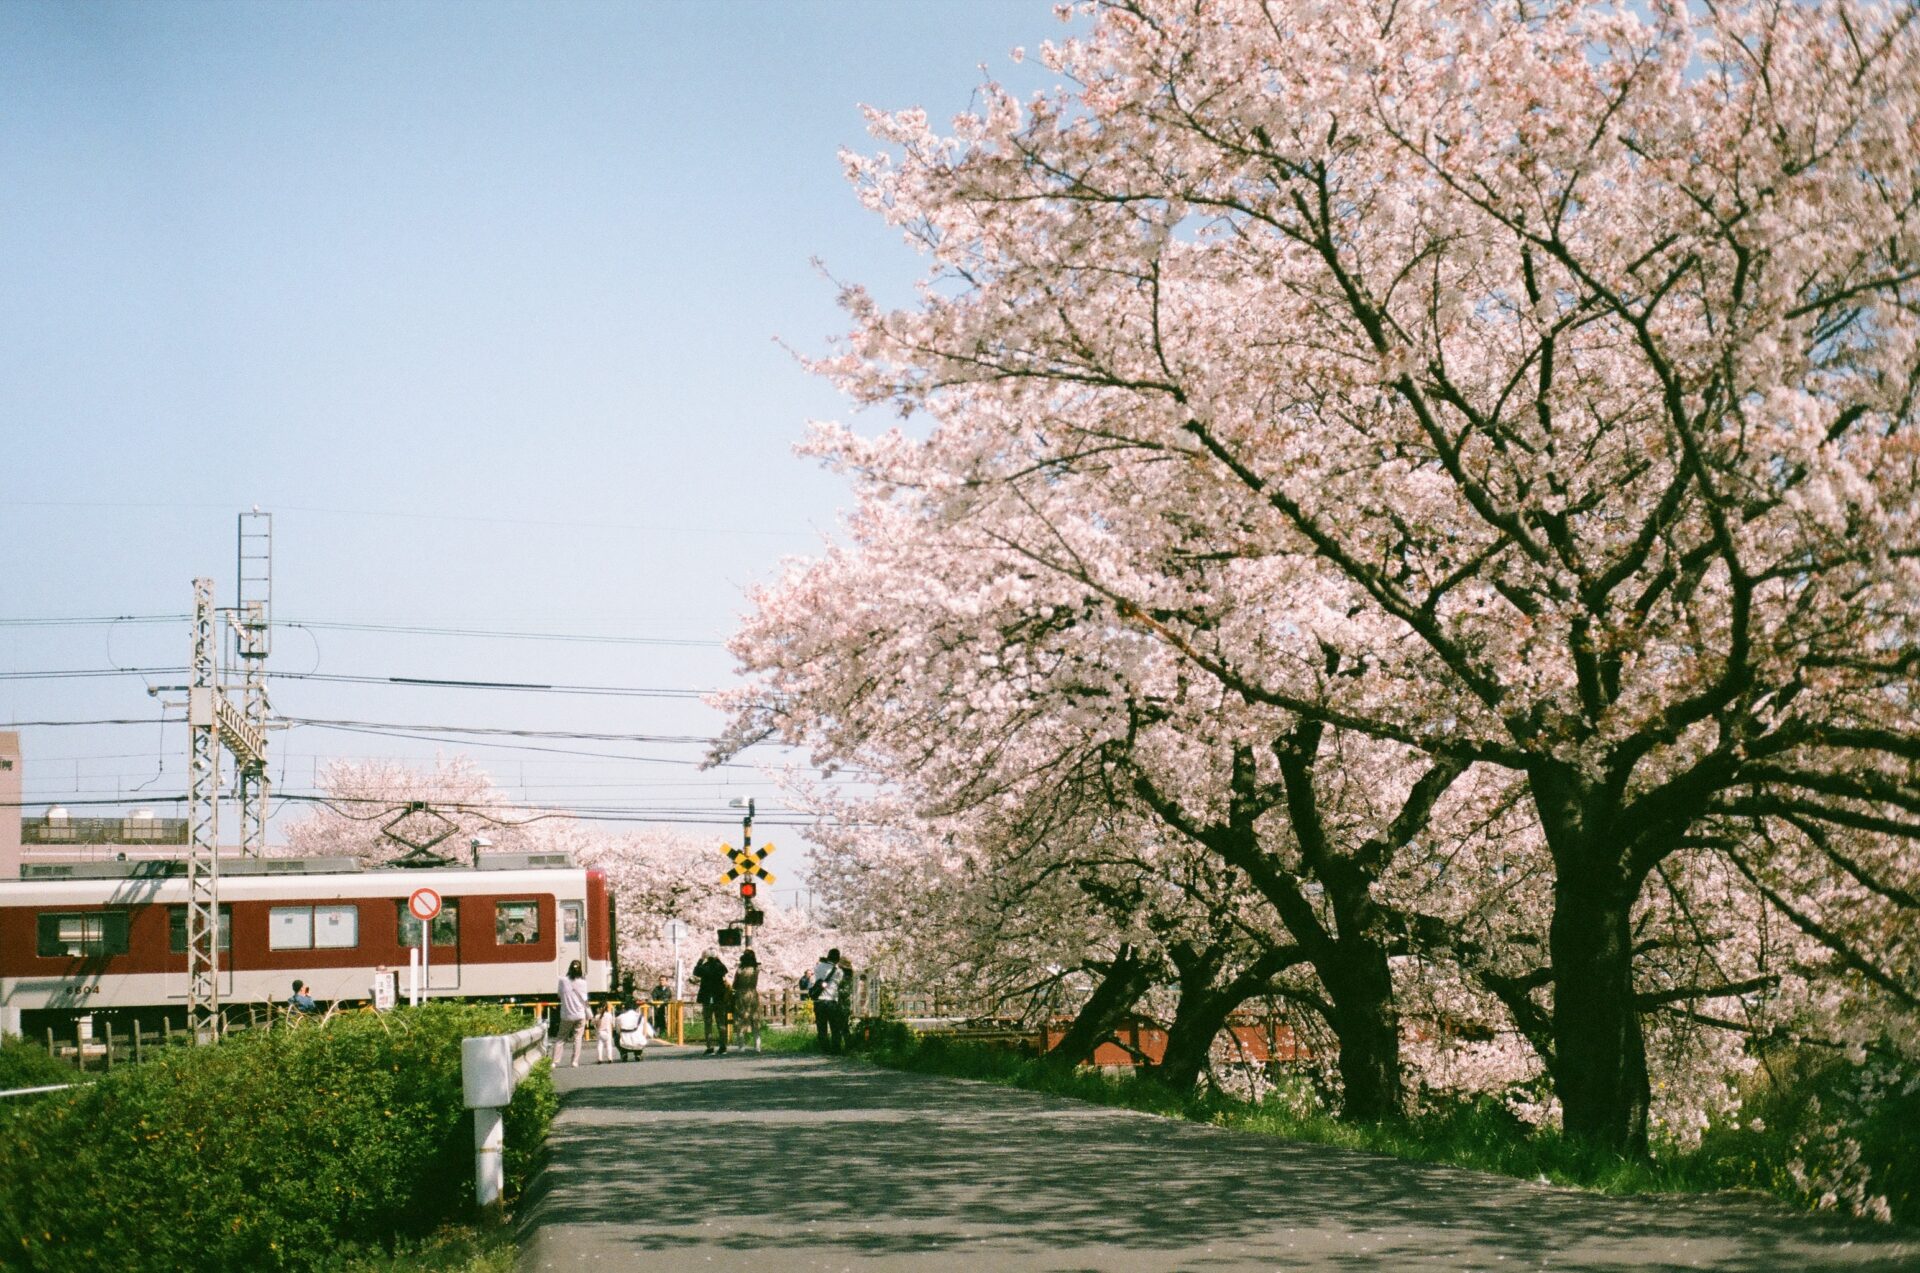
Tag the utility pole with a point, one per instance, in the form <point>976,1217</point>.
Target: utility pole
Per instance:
<point>213,722</point>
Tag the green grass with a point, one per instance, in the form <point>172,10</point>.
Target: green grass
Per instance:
<point>1480,1135</point>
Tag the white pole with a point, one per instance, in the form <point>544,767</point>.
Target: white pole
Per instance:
<point>426,926</point>
<point>679,974</point>
<point>489,1144</point>
<point>413,978</point>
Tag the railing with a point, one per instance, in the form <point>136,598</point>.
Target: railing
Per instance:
<point>490,1068</point>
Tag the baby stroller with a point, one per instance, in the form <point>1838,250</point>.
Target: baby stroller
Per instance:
<point>631,1034</point>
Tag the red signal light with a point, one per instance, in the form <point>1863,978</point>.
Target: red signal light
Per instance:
<point>748,888</point>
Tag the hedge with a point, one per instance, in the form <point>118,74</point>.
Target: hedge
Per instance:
<point>269,1150</point>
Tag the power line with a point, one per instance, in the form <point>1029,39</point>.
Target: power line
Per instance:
<point>493,634</point>
<point>508,732</point>
<point>431,682</point>
<point>74,673</point>
<point>355,678</point>
<point>89,620</point>
<point>558,751</point>
<point>116,720</point>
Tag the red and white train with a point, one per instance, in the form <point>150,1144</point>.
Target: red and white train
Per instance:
<point>109,938</point>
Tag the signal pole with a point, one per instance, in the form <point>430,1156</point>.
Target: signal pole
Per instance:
<point>747,886</point>
<point>747,869</point>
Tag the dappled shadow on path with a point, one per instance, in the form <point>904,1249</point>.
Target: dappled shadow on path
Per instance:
<point>767,1154</point>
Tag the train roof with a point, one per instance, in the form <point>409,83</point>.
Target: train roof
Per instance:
<point>167,868</point>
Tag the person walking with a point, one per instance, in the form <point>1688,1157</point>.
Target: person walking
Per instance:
<point>843,1005</point>
<point>746,1000</point>
<point>714,998</point>
<point>825,992</point>
<point>603,1035</point>
<point>573,1012</point>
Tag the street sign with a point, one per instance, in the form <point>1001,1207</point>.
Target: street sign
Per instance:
<point>424,904</point>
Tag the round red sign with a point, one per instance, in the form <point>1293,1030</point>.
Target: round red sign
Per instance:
<point>425,903</point>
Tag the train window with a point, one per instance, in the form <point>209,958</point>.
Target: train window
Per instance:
<point>446,925</point>
<point>290,928</point>
<point>336,927</point>
<point>313,927</point>
<point>516,923</point>
<point>177,929</point>
<point>94,933</point>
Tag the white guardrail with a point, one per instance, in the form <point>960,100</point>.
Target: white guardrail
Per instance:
<point>490,1068</point>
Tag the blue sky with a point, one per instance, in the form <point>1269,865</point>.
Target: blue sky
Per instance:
<point>482,301</point>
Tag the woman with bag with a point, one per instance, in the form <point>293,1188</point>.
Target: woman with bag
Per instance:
<point>572,1019</point>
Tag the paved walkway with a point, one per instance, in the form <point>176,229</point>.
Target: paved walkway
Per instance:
<point>782,1164</point>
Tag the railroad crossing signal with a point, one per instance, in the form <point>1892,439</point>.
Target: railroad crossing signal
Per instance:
<point>746,866</point>
<point>748,888</point>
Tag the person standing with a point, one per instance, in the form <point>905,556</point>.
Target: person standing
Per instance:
<point>573,1012</point>
<point>825,992</point>
<point>746,999</point>
<point>659,999</point>
<point>714,998</point>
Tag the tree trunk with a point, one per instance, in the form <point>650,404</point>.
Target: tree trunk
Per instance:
<point>1197,1020</point>
<point>1126,980</point>
<point>1366,1021</point>
<point>1600,1060</point>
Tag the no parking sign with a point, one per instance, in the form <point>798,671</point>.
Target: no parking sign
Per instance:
<point>423,904</point>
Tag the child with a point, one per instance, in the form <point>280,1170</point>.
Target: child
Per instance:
<point>603,1034</point>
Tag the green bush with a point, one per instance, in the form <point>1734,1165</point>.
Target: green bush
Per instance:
<point>270,1150</point>
<point>24,1064</point>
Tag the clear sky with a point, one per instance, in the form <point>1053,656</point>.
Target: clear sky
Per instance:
<point>482,301</point>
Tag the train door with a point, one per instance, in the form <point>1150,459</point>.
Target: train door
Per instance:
<point>443,958</point>
<point>573,934</point>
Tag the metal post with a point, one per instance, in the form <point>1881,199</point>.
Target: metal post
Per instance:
<point>203,802</point>
<point>489,1153</point>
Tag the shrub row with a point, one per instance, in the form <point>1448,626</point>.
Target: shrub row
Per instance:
<point>270,1150</point>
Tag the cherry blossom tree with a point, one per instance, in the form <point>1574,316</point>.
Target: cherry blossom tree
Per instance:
<point>1550,366</point>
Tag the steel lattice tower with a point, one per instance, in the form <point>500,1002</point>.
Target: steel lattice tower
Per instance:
<point>203,825</point>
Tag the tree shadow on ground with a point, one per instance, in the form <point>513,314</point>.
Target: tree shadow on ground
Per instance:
<point>766,1153</point>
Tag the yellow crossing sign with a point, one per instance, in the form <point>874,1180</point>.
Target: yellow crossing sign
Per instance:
<point>746,863</point>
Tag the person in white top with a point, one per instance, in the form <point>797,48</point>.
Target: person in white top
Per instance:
<point>632,1031</point>
<point>572,1022</point>
<point>823,986</point>
<point>603,1035</point>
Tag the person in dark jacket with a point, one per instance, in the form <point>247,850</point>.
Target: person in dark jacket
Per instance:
<point>715,999</point>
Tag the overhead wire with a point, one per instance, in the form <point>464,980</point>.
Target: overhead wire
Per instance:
<point>406,629</point>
